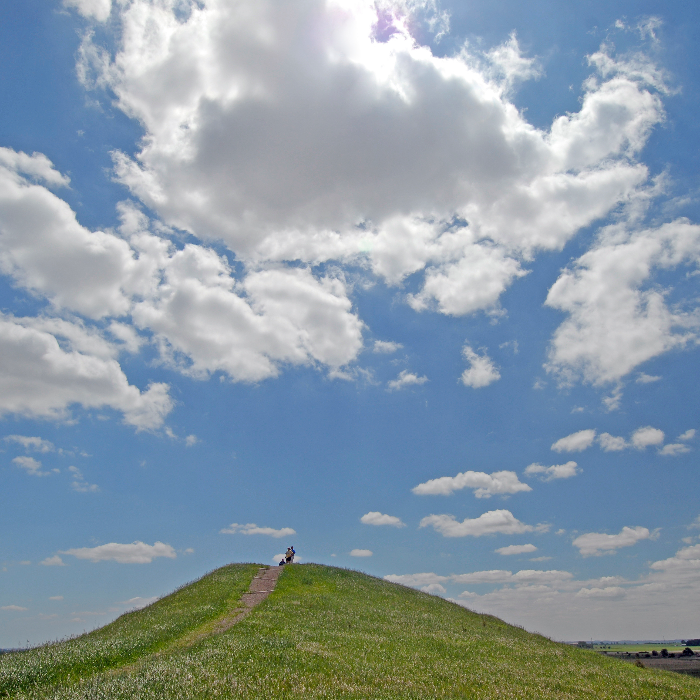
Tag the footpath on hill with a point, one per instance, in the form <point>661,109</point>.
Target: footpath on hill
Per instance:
<point>261,586</point>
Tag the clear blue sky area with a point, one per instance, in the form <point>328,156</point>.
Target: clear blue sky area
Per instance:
<point>411,285</point>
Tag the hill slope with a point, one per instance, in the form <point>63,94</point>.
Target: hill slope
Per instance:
<point>323,632</point>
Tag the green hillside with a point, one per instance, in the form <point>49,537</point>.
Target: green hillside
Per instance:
<point>323,632</point>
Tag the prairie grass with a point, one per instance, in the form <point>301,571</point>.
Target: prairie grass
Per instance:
<point>131,636</point>
<point>334,633</point>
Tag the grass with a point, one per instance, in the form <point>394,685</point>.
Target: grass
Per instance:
<point>334,633</point>
<point>131,636</point>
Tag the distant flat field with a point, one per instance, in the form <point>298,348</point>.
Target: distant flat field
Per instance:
<point>633,648</point>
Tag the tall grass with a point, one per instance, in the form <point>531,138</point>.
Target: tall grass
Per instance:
<point>130,637</point>
<point>333,633</point>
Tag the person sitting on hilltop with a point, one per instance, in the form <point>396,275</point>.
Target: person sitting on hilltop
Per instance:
<point>289,556</point>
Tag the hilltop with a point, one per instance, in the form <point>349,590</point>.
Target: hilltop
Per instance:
<point>323,632</point>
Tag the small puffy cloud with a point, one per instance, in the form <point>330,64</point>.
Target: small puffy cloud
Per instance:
<point>646,378</point>
<point>405,379</point>
<point>361,553</point>
<point>484,485</point>
<point>596,544</point>
<point>30,465</point>
<point>134,553</point>
<point>15,608</point>
<point>687,435</point>
<point>377,518</point>
<point>516,549</point>
<point>576,442</point>
<point>79,484</point>
<point>98,10</point>
<point>56,597</point>
<point>610,443</point>
<point>556,471</point>
<point>35,444</point>
<point>253,529</point>
<point>695,523</point>
<point>491,522</point>
<point>540,558</point>
<point>674,449</point>
<point>386,347</point>
<point>191,440</point>
<point>55,560</point>
<point>644,437</point>
<point>434,589</point>
<point>481,371</point>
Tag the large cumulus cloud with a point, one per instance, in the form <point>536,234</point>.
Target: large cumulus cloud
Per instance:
<point>294,133</point>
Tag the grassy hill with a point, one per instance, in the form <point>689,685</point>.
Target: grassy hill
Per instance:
<point>323,633</point>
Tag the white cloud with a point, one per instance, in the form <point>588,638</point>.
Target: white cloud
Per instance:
<point>492,576</point>
<point>36,444</point>
<point>98,10</point>
<point>191,440</point>
<point>30,465</point>
<point>416,580</point>
<point>596,543</point>
<point>646,378</point>
<point>609,592</point>
<point>481,371</point>
<point>56,597</point>
<point>674,449</point>
<point>559,605</point>
<point>434,589</point>
<point>46,250</point>
<point>288,316</point>
<point>386,347</point>
<point>377,518</point>
<point>38,378</point>
<point>204,320</point>
<point>491,522</point>
<point>361,553</point>
<point>253,529</point>
<point>37,167</point>
<point>617,318</point>
<point>135,553</point>
<point>510,65</point>
<point>516,549</point>
<point>79,484</point>
<point>405,379</point>
<point>576,442</point>
<point>227,141</point>
<point>14,608</point>
<point>687,435</point>
<point>644,437</point>
<point>556,471</point>
<point>610,443</point>
<point>55,560</point>
<point>484,485</point>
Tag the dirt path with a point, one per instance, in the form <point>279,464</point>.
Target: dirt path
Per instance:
<point>260,587</point>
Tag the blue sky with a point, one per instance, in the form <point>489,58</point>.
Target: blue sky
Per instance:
<point>411,286</point>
